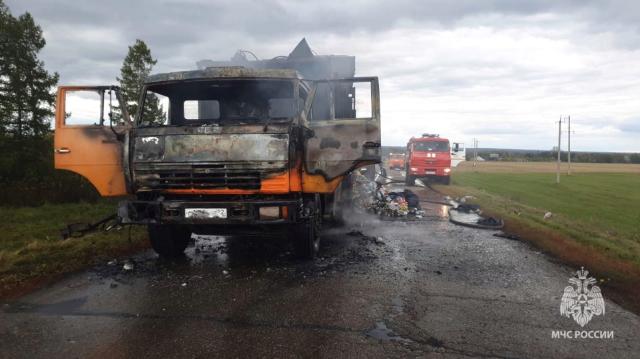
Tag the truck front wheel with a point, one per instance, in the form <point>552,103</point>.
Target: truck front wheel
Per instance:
<point>169,241</point>
<point>306,239</point>
<point>306,234</point>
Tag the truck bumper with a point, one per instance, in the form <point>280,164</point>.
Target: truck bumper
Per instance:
<point>432,178</point>
<point>438,172</point>
<point>246,212</point>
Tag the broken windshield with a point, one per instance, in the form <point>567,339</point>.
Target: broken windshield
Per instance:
<point>219,102</point>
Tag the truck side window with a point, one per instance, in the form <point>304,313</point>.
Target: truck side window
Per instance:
<point>84,107</point>
<point>361,100</point>
<point>343,100</point>
<point>283,107</point>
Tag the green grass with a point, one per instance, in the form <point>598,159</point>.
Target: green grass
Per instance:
<point>601,210</point>
<point>31,246</point>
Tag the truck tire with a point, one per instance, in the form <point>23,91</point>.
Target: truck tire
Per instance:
<point>306,235</point>
<point>409,180</point>
<point>447,180</point>
<point>169,241</point>
<point>306,239</point>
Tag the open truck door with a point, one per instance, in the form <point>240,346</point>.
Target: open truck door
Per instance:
<point>91,126</point>
<point>345,119</point>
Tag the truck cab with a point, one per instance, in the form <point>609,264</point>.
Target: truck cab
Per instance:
<point>396,161</point>
<point>428,158</point>
<point>224,149</point>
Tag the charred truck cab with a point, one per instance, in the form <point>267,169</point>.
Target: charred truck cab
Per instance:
<point>222,149</point>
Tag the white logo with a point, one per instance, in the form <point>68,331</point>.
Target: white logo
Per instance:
<point>155,140</point>
<point>584,300</point>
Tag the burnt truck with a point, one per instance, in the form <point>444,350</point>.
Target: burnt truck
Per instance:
<point>240,145</point>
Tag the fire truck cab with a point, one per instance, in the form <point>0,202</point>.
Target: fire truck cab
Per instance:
<point>428,158</point>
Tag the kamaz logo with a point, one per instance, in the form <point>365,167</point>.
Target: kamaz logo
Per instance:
<point>154,140</point>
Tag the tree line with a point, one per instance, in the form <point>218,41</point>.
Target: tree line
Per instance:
<point>546,156</point>
<point>27,107</point>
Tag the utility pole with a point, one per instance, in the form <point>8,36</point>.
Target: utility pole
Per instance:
<point>559,137</point>
<point>475,152</point>
<point>569,146</point>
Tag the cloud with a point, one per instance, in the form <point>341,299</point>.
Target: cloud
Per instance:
<point>631,125</point>
<point>499,70</point>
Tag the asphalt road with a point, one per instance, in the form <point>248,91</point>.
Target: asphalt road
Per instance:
<point>424,288</point>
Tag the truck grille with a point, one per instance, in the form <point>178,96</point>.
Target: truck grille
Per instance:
<point>197,177</point>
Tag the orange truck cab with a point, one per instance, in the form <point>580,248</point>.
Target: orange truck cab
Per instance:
<point>428,158</point>
<point>226,149</point>
<point>396,161</point>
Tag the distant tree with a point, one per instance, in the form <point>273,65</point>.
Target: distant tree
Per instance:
<point>136,67</point>
<point>26,89</point>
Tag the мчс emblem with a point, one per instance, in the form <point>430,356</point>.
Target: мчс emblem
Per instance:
<point>582,300</point>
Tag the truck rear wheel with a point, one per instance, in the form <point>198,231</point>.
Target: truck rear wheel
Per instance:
<point>409,180</point>
<point>169,241</point>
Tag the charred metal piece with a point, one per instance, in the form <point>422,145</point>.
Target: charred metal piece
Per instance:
<point>77,230</point>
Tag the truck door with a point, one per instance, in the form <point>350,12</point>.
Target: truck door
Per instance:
<point>345,119</point>
<point>458,153</point>
<point>89,141</point>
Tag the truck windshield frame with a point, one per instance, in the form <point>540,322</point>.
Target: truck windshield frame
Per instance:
<point>221,101</point>
<point>431,146</point>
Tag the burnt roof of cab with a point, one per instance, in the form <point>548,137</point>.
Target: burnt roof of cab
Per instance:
<point>224,73</point>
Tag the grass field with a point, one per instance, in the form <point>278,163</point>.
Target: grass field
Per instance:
<point>31,247</point>
<point>596,210</point>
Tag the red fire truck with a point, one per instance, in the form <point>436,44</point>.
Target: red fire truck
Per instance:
<point>428,158</point>
<point>396,161</point>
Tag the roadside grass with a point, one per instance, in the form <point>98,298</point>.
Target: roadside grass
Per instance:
<point>31,249</point>
<point>595,219</point>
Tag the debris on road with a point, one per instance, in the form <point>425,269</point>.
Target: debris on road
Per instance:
<point>464,199</point>
<point>513,237</point>
<point>128,266</point>
<point>548,215</point>
<point>470,215</point>
<point>468,208</point>
<point>490,221</point>
<point>373,197</point>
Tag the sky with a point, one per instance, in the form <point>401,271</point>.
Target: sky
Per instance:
<point>500,71</point>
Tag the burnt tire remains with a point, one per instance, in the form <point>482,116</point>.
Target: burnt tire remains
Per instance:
<point>169,241</point>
